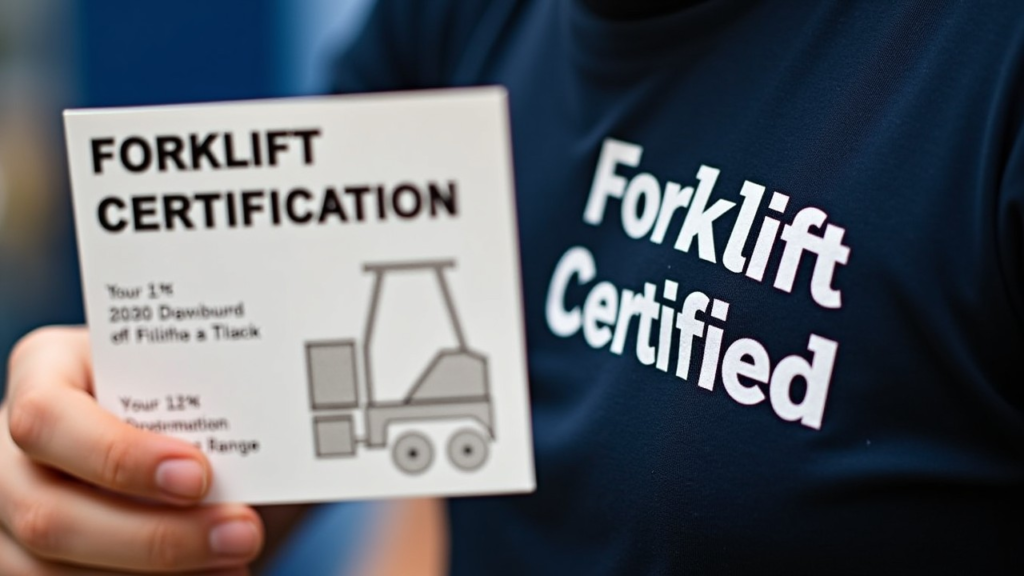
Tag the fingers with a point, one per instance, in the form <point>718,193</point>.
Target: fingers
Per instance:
<point>55,421</point>
<point>63,350</point>
<point>70,432</point>
<point>49,521</point>
<point>55,519</point>
<point>14,561</point>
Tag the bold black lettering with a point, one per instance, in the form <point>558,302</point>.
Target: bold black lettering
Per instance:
<point>177,206</point>
<point>257,156</point>
<point>248,208</point>
<point>99,154</point>
<point>437,197</point>
<point>307,143</point>
<point>406,191</point>
<point>332,205</point>
<point>358,192</point>
<point>201,149</point>
<point>230,205</point>
<point>126,155</point>
<point>207,199</point>
<point>142,206</point>
<point>273,146</point>
<point>289,205</point>
<point>381,213</point>
<point>229,153</point>
<point>275,208</point>
<point>103,212</point>
<point>169,147</point>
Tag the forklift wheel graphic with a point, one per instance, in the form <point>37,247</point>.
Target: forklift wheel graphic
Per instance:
<point>467,449</point>
<point>413,453</point>
<point>453,385</point>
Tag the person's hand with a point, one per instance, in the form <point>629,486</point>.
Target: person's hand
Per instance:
<point>83,493</point>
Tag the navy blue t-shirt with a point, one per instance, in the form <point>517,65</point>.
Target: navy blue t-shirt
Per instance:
<point>773,263</point>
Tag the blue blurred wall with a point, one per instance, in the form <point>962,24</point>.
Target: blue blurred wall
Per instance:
<point>148,52</point>
<point>130,52</point>
<point>134,52</point>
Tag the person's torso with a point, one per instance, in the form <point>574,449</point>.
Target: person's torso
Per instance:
<point>771,322</point>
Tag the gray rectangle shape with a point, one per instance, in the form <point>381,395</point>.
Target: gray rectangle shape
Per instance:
<point>332,374</point>
<point>334,436</point>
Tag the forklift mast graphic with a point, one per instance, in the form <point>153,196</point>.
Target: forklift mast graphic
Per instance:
<point>454,385</point>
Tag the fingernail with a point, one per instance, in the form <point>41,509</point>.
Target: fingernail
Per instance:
<point>183,478</point>
<point>234,538</point>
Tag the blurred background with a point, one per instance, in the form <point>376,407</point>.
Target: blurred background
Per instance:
<point>57,54</point>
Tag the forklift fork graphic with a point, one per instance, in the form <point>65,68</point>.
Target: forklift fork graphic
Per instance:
<point>454,385</point>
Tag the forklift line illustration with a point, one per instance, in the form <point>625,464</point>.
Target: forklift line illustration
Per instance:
<point>454,385</point>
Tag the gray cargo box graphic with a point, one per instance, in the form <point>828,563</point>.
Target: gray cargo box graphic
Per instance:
<point>454,385</point>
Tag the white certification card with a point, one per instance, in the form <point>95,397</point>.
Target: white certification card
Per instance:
<point>322,294</point>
